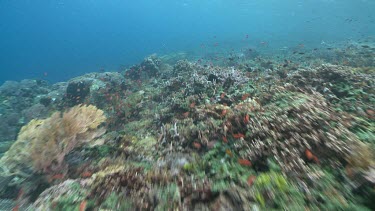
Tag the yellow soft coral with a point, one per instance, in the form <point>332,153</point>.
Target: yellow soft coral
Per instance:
<point>42,144</point>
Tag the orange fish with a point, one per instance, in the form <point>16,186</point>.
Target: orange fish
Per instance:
<point>246,119</point>
<point>16,208</point>
<point>86,174</point>
<point>186,114</point>
<point>225,139</point>
<point>56,177</point>
<point>192,105</point>
<point>229,152</point>
<point>245,96</point>
<point>222,95</point>
<point>311,157</point>
<point>82,206</point>
<point>197,145</point>
<point>349,171</point>
<point>251,179</point>
<point>244,162</point>
<point>20,194</point>
<point>224,112</point>
<point>238,135</point>
<point>309,154</point>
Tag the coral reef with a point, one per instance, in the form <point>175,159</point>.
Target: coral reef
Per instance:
<point>248,131</point>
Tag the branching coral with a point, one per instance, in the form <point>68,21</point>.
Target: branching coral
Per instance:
<point>132,182</point>
<point>292,123</point>
<point>64,196</point>
<point>340,85</point>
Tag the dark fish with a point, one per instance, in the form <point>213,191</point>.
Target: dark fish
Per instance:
<point>287,61</point>
<point>301,53</point>
<point>329,48</point>
<point>365,46</point>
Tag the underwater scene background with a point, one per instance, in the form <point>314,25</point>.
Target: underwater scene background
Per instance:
<point>187,105</point>
<point>56,40</point>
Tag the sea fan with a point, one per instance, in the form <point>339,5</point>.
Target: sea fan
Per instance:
<point>42,144</point>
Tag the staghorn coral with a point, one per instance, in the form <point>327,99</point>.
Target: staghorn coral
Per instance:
<point>141,149</point>
<point>131,181</point>
<point>292,123</point>
<point>64,196</point>
<point>151,189</point>
<point>42,144</point>
<point>343,86</point>
<point>195,83</point>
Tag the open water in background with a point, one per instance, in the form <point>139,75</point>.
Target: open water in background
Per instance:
<point>57,40</point>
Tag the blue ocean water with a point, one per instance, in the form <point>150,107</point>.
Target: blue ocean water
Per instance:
<point>57,40</point>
